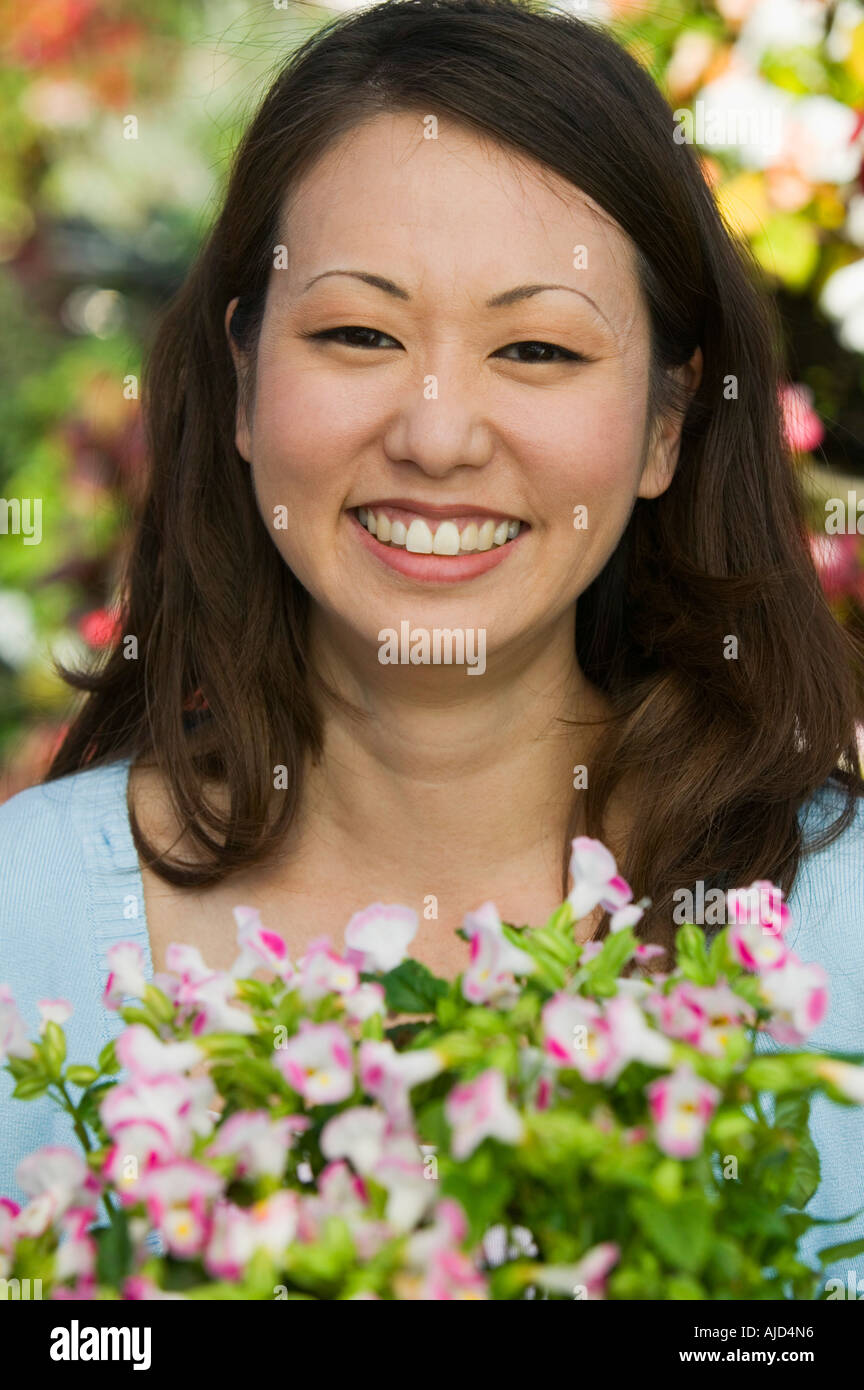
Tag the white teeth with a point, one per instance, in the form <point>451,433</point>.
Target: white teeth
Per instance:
<point>419,538</point>
<point>446,539</point>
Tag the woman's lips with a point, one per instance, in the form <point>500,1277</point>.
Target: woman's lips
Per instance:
<point>434,569</point>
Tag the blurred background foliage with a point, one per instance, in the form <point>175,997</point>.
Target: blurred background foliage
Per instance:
<point>96,232</point>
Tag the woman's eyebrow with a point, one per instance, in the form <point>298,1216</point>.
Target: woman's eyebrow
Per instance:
<point>497,301</point>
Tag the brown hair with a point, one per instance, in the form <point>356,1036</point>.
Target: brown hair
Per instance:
<point>722,753</point>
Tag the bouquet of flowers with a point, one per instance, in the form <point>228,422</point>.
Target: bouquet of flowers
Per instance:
<point>564,1120</point>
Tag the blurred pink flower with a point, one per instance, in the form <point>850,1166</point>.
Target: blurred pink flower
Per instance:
<point>801,425</point>
<point>99,628</point>
<point>837,562</point>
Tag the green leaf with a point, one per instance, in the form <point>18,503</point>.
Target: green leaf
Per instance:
<point>113,1251</point>
<point>681,1234</point>
<point>81,1076</point>
<point>19,1067</point>
<point>792,1112</point>
<point>224,1044</point>
<point>777,1074</point>
<point>412,989</point>
<point>107,1060</point>
<point>484,1203</point>
<point>132,1013</point>
<point>561,920</point>
<point>159,1003</point>
<point>692,954</point>
<point>617,950</point>
<point>847,1251</point>
<point>29,1087</point>
<point>806,1172</point>
<point>88,1110</point>
<point>53,1049</point>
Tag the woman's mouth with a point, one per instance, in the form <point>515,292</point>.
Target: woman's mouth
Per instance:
<point>435,548</point>
<point>421,535</point>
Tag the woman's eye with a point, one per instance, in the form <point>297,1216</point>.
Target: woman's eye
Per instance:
<point>539,352</point>
<point>355,336</point>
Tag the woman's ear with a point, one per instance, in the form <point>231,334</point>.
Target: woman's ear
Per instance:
<point>662,453</point>
<point>242,433</point>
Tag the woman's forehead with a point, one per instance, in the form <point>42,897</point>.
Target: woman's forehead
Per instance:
<point>456,210</point>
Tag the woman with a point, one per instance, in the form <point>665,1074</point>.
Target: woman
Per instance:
<point>468,367</point>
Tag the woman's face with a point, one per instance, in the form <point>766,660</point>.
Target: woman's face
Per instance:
<point>438,349</point>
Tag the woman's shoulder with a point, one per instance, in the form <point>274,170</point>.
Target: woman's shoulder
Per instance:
<point>52,809</point>
<point>69,878</point>
<point>827,898</point>
<point>69,889</point>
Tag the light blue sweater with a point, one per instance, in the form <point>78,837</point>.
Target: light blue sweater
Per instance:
<point>70,887</point>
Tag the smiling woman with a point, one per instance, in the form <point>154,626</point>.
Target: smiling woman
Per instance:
<point>444,307</point>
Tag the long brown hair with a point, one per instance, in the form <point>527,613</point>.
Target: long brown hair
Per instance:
<point>722,753</point>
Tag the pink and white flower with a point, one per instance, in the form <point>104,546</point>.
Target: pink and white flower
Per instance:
<point>258,1141</point>
<point>390,1076</point>
<point>317,1062</point>
<point>57,1011</point>
<point>451,1276</point>
<point>55,1178</point>
<point>409,1192</point>
<point>146,1056</point>
<point>577,1034</point>
<point>756,948</point>
<point>259,948</point>
<point>378,937</point>
<point>127,977</point>
<point>586,1279</point>
<point>797,995</point>
<point>13,1030</point>
<point>208,997</point>
<point>76,1255</point>
<point>478,1110</point>
<point>323,971</point>
<point>761,904</point>
<point>679,1013</point>
<point>137,1147</point>
<point>633,1037</point>
<point>356,1134</point>
<point>448,1231</point>
<point>238,1232</point>
<point>723,1010</point>
<point>627,916</point>
<point>9,1210</point>
<point>595,878</point>
<point>166,1112</point>
<point>647,951</point>
<point>681,1107</point>
<point>178,1197</point>
<point>364,1002</point>
<point>489,978</point>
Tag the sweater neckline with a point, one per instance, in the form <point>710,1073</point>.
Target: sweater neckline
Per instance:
<point>116,887</point>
